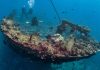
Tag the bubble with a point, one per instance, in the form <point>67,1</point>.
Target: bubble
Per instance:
<point>31,3</point>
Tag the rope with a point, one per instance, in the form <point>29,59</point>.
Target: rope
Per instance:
<point>55,10</point>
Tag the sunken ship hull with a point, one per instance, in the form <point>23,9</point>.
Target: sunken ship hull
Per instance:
<point>54,49</point>
<point>33,54</point>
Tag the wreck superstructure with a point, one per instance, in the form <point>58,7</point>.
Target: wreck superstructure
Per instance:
<point>54,48</point>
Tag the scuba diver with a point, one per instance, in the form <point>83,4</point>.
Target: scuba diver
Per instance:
<point>26,13</point>
<point>31,4</point>
<point>35,21</point>
<point>23,11</point>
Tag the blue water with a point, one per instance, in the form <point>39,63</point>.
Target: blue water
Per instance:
<point>83,12</point>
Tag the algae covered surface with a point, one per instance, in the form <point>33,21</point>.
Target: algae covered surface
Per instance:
<point>82,12</point>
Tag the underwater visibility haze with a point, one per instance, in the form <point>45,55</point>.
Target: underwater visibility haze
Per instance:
<point>48,15</point>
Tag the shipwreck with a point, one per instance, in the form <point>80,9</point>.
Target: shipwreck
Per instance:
<point>76,45</point>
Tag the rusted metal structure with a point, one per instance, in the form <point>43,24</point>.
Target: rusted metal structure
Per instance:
<point>54,49</point>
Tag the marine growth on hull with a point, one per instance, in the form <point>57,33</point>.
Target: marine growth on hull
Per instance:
<point>65,41</point>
